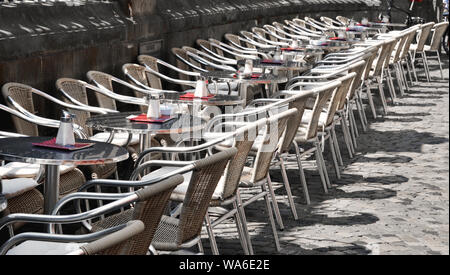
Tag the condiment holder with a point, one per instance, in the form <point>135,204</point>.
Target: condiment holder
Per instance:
<point>65,136</point>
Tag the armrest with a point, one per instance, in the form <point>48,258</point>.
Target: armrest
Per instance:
<point>32,118</point>
<point>70,219</point>
<point>57,238</point>
<point>166,78</point>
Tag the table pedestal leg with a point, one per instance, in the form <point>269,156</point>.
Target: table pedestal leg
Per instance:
<point>51,187</point>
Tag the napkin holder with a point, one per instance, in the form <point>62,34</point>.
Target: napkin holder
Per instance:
<point>65,136</point>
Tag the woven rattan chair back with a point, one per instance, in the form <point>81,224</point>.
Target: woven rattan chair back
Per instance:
<point>195,62</point>
<point>149,209</point>
<point>299,22</point>
<point>273,30</point>
<point>279,26</point>
<point>294,121</point>
<point>259,32</point>
<point>215,48</point>
<point>409,41</point>
<point>204,180</point>
<point>385,50</point>
<point>76,90</point>
<point>357,81</point>
<point>105,81</point>
<point>182,62</point>
<point>22,94</point>
<point>243,143</point>
<point>152,62</point>
<point>399,47</point>
<point>439,30</point>
<point>338,96</point>
<point>370,62</point>
<point>321,99</point>
<point>423,34</point>
<point>137,72</point>
<point>249,36</point>
<point>207,47</point>
<point>275,128</point>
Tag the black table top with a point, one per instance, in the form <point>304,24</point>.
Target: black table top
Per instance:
<point>3,203</point>
<point>119,122</point>
<point>21,149</point>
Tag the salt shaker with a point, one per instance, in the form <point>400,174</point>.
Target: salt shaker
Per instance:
<point>65,134</point>
<point>200,89</point>
<point>154,110</point>
<point>248,69</point>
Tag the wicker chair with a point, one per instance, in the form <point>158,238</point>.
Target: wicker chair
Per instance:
<point>257,176</point>
<point>435,44</point>
<point>184,232</point>
<point>419,48</point>
<point>149,204</point>
<point>226,191</point>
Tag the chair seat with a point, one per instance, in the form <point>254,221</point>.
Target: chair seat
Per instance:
<point>180,191</point>
<point>307,116</point>
<point>15,187</point>
<point>246,178</point>
<point>44,248</point>
<point>166,235</point>
<point>25,170</point>
<point>120,139</point>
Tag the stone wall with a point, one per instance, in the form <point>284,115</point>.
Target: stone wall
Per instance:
<point>39,44</point>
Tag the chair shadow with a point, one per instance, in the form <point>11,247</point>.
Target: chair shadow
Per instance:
<point>265,245</point>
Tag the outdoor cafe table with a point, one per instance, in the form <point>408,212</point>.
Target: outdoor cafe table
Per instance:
<point>119,122</point>
<point>21,149</point>
<point>222,76</point>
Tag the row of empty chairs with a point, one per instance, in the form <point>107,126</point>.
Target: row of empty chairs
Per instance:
<point>175,190</point>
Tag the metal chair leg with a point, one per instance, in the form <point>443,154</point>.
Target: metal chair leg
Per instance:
<point>240,228</point>
<point>302,174</point>
<point>272,221</point>
<point>412,60</point>
<point>244,222</point>
<point>287,186</point>
<point>347,137</point>
<point>273,198</point>
<point>336,146</point>
<point>212,238</point>
<point>440,64</point>
<point>320,169</point>
<point>333,155</point>
<point>381,90</point>
<point>370,98</point>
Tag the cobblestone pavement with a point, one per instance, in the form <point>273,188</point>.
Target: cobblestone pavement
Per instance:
<point>393,197</point>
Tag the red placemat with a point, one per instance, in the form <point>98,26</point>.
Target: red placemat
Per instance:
<point>144,118</point>
<point>338,39</point>
<point>272,61</point>
<point>52,144</point>
<point>253,76</point>
<point>191,96</point>
<point>292,49</point>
